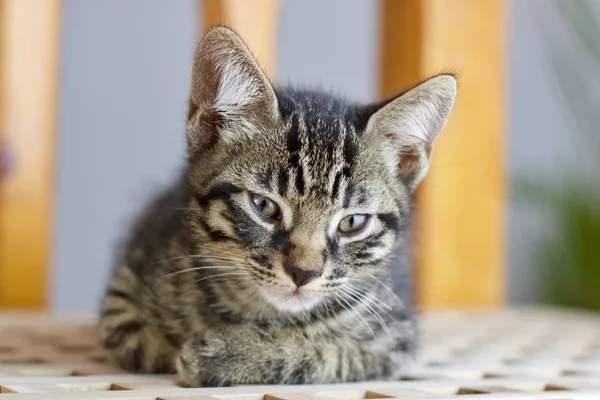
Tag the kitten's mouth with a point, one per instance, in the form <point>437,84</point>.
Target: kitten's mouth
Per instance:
<point>299,294</point>
<point>293,300</point>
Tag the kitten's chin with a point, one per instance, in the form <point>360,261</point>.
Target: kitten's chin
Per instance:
<point>292,301</point>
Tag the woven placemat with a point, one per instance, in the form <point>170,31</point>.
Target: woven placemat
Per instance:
<point>507,354</point>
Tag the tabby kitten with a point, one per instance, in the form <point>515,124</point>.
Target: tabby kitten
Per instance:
<point>275,257</point>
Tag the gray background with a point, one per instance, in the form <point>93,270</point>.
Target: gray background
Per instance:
<point>124,82</point>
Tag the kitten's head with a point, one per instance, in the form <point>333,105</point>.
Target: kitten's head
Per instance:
<point>308,193</point>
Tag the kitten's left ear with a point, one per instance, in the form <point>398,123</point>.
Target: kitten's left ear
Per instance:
<point>410,124</point>
<point>231,97</point>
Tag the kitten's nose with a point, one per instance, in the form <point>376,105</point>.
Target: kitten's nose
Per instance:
<point>302,276</point>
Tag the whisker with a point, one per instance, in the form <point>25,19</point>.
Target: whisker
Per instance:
<point>232,279</point>
<point>356,295</point>
<point>374,313</point>
<point>171,259</point>
<point>338,301</point>
<point>225,274</point>
<point>381,304</point>
<point>334,313</point>
<point>357,313</point>
<point>216,257</point>
<point>204,256</point>
<point>386,287</point>
<point>195,269</point>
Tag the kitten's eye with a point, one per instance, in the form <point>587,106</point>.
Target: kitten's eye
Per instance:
<point>353,223</point>
<point>265,206</point>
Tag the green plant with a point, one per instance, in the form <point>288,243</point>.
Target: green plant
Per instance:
<point>568,255</point>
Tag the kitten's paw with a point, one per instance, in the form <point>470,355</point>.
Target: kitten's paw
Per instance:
<point>202,361</point>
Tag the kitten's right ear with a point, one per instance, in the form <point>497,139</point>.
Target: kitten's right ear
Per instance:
<point>409,124</point>
<point>231,98</point>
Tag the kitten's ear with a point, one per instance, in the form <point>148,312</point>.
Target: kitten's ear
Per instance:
<point>410,124</point>
<point>231,98</point>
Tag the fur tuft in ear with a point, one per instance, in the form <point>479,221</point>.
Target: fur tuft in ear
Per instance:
<point>409,124</point>
<point>231,98</point>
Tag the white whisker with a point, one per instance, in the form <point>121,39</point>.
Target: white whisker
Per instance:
<point>210,256</point>
<point>389,290</point>
<point>171,259</point>
<point>196,269</point>
<point>357,313</point>
<point>371,310</point>
<point>381,304</point>
<point>225,274</point>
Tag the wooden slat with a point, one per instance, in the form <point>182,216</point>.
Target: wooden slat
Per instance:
<point>460,224</point>
<point>29,33</point>
<point>255,21</point>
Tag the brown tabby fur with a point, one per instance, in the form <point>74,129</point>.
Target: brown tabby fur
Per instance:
<point>201,285</point>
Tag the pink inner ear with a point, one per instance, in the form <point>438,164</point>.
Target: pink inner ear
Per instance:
<point>411,161</point>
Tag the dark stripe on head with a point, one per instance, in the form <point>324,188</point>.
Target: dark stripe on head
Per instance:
<point>348,193</point>
<point>372,240</point>
<point>293,142</point>
<point>300,180</point>
<point>265,178</point>
<point>362,197</point>
<point>390,220</point>
<point>330,150</point>
<point>350,149</point>
<point>294,145</point>
<point>336,185</point>
<point>208,180</point>
<point>220,192</point>
<point>282,182</point>
<point>371,262</point>
<point>216,235</point>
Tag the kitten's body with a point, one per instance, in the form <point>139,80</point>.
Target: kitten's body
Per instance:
<point>205,282</point>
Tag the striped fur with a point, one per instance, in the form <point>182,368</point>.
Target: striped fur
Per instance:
<point>200,285</point>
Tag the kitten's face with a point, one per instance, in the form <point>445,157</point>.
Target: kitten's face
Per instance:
<point>309,205</point>
<point>306,192</point>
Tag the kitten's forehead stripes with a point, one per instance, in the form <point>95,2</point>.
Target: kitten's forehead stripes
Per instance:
<point>282,182</point>
<point>322,142</point>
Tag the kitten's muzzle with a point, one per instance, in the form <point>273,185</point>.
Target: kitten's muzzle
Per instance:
<point>302,276</point>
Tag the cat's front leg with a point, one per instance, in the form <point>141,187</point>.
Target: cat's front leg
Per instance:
<point>255,355</point>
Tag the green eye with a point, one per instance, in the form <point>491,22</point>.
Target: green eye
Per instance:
<point>265,206</point>
<point>353,223</point>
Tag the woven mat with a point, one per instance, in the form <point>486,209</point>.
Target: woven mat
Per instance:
<point>516,354</point>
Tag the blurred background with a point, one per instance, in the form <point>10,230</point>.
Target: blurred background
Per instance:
<point>93,108</point>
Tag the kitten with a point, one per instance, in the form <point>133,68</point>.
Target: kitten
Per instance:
<point>271,260</point>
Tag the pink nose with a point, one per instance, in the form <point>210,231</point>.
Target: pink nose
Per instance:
<point>302,276</point>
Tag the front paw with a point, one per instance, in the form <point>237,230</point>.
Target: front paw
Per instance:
<point>202,360</point>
